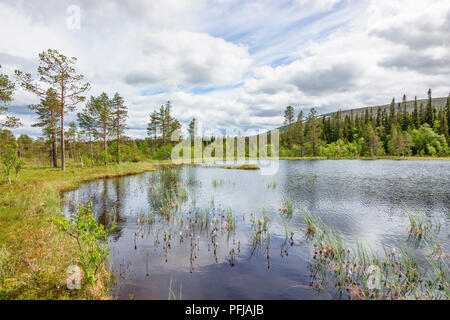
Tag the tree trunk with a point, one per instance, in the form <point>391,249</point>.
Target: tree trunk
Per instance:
<point>105,143</point>
<point>63,146</point>
<point>91,149</point>
<point>118,140</point>
<point>54,144</point>
<point>63,149</point>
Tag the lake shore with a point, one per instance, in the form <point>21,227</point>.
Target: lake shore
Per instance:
<point>367,158</point>
<point>34,255</point>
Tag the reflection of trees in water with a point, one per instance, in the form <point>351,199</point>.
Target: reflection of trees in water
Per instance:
<point>301,185</point>
<point>106,197</point>
<point>119,197</point>
<point>165,187</point>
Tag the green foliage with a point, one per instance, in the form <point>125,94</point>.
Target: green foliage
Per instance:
<point>339,149</point>
<point>91,236</point>
<point>391,131</point>
<point>11,162</point>
<point>7,88</point>
<point>426,141</point>
<point>163,153</point>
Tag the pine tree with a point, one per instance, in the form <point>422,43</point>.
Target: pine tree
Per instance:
<point>7,88</point>
<point>120,114</point>
<point>49,113</point>
<point>88,123</point>
<point>103,114</point>
<point>57,71</point>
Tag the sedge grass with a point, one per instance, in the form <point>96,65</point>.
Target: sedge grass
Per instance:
<point>37,254</point>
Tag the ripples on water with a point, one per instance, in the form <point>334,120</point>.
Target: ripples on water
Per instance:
<point>365,200</point>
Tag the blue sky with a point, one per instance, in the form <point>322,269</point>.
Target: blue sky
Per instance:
<point>234,64</point>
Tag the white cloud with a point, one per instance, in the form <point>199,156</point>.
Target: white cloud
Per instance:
<point>186,58</point>
<point>299,52</point>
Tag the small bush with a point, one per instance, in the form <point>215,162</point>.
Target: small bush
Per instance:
<point>92,239</point>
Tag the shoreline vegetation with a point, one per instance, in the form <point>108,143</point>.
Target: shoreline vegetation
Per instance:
<point>34,255</point>
<point>242,167</point>
<point>368,158</point>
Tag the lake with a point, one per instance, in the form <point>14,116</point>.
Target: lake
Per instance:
<point>192,228</point>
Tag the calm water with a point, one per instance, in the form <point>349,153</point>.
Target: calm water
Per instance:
<point>365,200</point>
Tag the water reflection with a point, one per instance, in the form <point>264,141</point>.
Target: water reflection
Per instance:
<point>177,222</point>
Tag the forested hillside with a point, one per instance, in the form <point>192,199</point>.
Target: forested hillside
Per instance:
<point>407,128</point>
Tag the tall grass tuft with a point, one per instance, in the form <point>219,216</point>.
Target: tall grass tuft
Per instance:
<point>362,274</point>
<point>287,207</point>
<point>419,226</point>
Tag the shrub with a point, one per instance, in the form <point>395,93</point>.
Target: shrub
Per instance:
<point>91,237</point>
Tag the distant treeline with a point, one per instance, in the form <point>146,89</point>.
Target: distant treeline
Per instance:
<point>98,135</point>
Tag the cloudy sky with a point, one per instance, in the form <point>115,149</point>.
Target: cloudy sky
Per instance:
<point>234,64</point>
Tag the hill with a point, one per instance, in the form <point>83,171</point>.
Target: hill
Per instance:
<point>437,102</point>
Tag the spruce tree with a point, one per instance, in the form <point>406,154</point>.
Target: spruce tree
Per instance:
<point>429,114</point>
<point>416,115</point>
<point>300,132</point>
<point>288,120</point>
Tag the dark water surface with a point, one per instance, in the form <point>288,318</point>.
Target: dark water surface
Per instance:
<point>365,200</point>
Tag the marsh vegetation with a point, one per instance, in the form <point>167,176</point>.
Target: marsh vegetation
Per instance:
<point>331,232</point>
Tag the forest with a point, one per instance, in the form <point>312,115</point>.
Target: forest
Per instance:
<point>392,131</point>
<point>98,136</point>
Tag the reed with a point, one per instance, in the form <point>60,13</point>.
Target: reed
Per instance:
<point>362,274</point>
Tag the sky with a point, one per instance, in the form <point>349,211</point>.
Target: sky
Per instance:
<point>233,65</point>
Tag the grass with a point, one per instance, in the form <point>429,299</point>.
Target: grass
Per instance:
<point>217,182</point>
<point>419,226</point>
<point>172,294</point>
<point>287,207</point>
<point>242,167</point>
<point>313,223</point>
<point>362,274</point>
<point>34,255</point>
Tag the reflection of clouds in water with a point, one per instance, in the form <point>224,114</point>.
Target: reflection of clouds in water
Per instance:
<point>363,199</point>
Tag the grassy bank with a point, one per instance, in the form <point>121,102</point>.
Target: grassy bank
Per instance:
<point>34,255</point>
